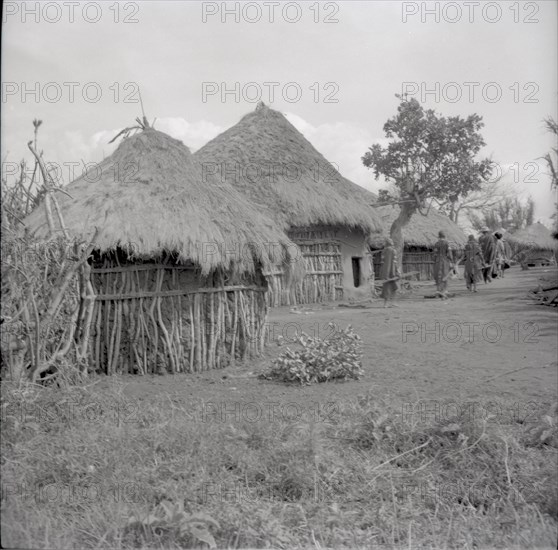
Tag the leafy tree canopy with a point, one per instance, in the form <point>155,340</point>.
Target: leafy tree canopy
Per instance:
<point>429,155</point>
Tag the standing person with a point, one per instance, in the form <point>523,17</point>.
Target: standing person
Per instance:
<point>501,255</point>
<point>443,260</point>
<point>473,263</point>
<point>389,273</point>
<point>488,247</point>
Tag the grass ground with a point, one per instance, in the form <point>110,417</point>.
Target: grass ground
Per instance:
<point>445,442</point>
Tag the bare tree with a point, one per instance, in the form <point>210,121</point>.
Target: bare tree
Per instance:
<point>492,194</point>
<point>510,214</point>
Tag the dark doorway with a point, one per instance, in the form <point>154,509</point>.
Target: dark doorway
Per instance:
<point>356,271</point>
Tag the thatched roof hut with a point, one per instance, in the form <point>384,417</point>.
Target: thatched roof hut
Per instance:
<point>537,236</point>
<point>419,235</point>
<point>177,275</point>
<point>274,166</point>
<point>533,245</point>
<point>421,231</point>
<point>271,162</point>
<point>149,197</point>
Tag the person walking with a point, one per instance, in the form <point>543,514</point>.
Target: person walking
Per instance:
<point>389,273</point>
<point>488,247</point>
<point>473,263</point>
<point>443,264</point>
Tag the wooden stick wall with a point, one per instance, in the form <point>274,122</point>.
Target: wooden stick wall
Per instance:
<point>413,260</point>
<point>156,320</point>
<point>324,271</point>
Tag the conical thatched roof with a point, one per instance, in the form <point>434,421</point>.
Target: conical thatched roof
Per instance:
<point>536,235</point>
<point>271,162</point>
<point>149,197</point>
<point>422,230</point>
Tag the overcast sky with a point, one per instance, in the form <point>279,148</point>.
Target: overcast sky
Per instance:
<point>337,67</point>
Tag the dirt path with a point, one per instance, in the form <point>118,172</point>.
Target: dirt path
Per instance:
<point>462,349</point>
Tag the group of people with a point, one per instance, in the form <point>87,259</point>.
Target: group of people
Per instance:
<point>485,259</point>
<point>488,259</point>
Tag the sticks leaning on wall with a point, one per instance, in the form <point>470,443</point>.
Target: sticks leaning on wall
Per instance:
<point>40,309</point>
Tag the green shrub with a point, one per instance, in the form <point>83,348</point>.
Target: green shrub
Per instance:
<point>337,357</point>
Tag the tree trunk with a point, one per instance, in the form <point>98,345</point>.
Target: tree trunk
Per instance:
<point>454,214</point>
<point>396,231</point>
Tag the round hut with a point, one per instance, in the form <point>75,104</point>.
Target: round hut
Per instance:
<point>533,246</point>
<point>274,166</point>
<point>420,236</point>
<point>177,268</point>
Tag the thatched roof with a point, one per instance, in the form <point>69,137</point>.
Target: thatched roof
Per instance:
<point>149,197</point>
<point>535,236</point>
<point>422,230</point>
<point>284,175</point>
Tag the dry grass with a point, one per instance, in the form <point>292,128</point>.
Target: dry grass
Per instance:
<point>266,158</point>
<point>149,197</point>
<point>360,476</point>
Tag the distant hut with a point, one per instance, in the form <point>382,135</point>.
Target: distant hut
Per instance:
<point>275,167</point>
<point>178,267</point>
<point>420,236</point>
<point>533,246</point>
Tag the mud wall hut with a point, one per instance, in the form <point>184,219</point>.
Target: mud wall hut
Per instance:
<point>177,272</point>
<point>276,168</point>
<point>420,236</point>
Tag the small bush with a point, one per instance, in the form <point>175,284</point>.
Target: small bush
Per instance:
<point>337,357</point>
